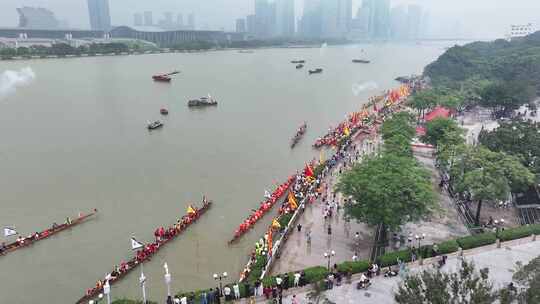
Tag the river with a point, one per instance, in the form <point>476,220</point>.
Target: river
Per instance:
<point>75,139</point>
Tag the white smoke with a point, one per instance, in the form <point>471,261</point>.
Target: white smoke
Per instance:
<point>11,80</point>
<point>357,88</point>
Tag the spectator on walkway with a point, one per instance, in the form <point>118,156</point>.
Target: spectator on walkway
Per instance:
<point>296,279</point>
<point>227,293</point>
<point>279,281</point>
<point>294,300</point>
<point>236,289</point>
<point>355,257</point>
<point>286,281</point>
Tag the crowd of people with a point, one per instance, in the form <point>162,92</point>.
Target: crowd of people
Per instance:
<point>264,208</point>
<point>162,235</point>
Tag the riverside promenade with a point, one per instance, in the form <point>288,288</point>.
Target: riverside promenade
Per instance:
<point>500,261</point>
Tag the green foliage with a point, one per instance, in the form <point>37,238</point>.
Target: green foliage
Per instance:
<point>478,240</point>
<point>315,274</point>
<point>285,219</point>
<point>391,258</point>
<point>401,123</point>
<point>505,97</point>
<point>448,247</point>
<point>388,189</point>
<point>519,232</point>
<point>257,268</point>
<point>435,286</point>
<point>518,138</point>
<point>194,46</point>
<point>127,301</point>
<point>439,129</point>
<point>527,276</point>
<point>353,267</point>
<point>481,62</point>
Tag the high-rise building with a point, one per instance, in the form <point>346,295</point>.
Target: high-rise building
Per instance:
<point>168,20</point>
<point>250,24</point>
<point>137,19</point>
<point>336,18</point>
<point>180,21</point>
<point>311,22</point>
<point>191,22</point>
<point>285,26</point>
<point>37,18</point>
<point>399,23</point>
<point>100,17</point>
<point>360,25</point>
<point>414,21</point>
<point>148,20</point>
<point>241,25</point>
<point>379,19</point>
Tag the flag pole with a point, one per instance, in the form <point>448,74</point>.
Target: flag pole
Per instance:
<point>167,279</point>
<point>107,291</point>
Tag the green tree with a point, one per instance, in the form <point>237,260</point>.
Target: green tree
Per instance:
<point>388,189</point>
<point>423,100</point>
<point>505,97</point>
<point>437,129</point>
<point>527,276</point>
<point>519,138</point>
<point>23,51</point>
<point>466,286</point>
<point>488,176</point>
<point>8,53</point>
<point>401,123</point>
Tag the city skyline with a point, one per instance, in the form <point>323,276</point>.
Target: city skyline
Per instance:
<point>481,18</point>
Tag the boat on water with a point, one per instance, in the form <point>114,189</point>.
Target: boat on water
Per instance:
<point>316,71</point>
<point>145,254</point>
<point>246,52</point>
<point>155,125</point>
<point>164,111</point>
<point>33,238</point>
<point>202,102</point>
<point>298,61</point>
<point>360,61</point>
<point>299,66</point>
<point>164,77</point>
<point>299,134</point>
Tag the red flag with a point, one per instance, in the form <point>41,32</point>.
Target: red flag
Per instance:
<point>308,171</point>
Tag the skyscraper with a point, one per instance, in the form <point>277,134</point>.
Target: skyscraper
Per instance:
<point>311,23</point>
<point>399,23</point>
<point>137,19</point>
<point>168,21</point>
<point>250,24</point>
<point>37,18</point>
<point>263,18</point>
<point>148,20</point>
<point>191,22</point>
<point>100,18</point>
<point>180,21</point>
<point>379,19</point>
<point>285,26</point>
<point>241,25</point>
<point>336,18</point>
<point>414,21</point>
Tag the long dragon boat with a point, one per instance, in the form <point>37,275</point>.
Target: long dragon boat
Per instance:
<point>264,208</point>
<point>299,134</point>
<point>148,251</point>
<point>39,236</point>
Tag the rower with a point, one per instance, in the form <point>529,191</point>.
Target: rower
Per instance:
<point>2,248</point>
<point>68,221</point>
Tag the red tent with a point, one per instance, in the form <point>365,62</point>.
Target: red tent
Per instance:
<point>437,113</point>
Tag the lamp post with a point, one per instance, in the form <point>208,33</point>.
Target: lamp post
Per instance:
<point>100,297</point>
<point>220,278</point>
<point>328,256</point>
<point>142,281</point>
<point>107,291</point>
<point>498,226</point>
<point>419,238</point>
<point>167,279</point>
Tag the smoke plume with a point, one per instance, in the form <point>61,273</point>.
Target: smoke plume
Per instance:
<point>11,80</point>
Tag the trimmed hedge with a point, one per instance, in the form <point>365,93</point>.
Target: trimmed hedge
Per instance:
<point>448,247</point>
<point>519,232</point>
<point>354,267</point>
<point>478,240</point>
<point>391,258</point>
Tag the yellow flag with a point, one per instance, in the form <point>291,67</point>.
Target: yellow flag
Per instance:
<point>292,201</point>
<point>321,157</point>
<point>346,131</point>
<point>190,210</point>
<point>275,224</point>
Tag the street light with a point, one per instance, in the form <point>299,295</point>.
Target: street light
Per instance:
<point>106,291</point>
<point>498,226</point>
<point>100,297</point>
<point>328,256</point>
<point>167,279</point>
<point>220,278</point>
<point>419,238</point>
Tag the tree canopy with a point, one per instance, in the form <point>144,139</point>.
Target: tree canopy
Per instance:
<point>505,97</point>
<point>388,189</point>
<point>467,285</point>
<point>402,123</point>
<point>438,129</point>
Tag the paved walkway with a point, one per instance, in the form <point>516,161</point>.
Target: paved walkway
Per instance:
<point>500,261</point>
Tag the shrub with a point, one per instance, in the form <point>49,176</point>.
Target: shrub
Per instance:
<point>391,258</point>
<point>127,301</point>
<point>478,240</point>
<point>519,232</point>
<point>448,247</point>
<point>285,219</point>
<point>314,274</point>
<point>354,267</point>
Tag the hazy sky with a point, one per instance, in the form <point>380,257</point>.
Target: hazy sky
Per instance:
<point>476,18</point>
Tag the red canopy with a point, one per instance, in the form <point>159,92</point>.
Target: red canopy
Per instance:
<point>438,112</point>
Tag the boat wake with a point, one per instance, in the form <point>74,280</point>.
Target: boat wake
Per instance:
<point>358,88</point>
<point>11,80</point>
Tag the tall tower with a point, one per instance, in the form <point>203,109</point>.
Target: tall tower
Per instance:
<point>100,18</point>
<point>285,18</point>
<point>148,20</point>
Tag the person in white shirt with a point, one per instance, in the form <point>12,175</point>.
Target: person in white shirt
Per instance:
<point>355,257</point>
<point>227,293</point>
<point>236,289</point>
<point>183,300</point>
<point>278,282</point>
<point>296,279</point>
